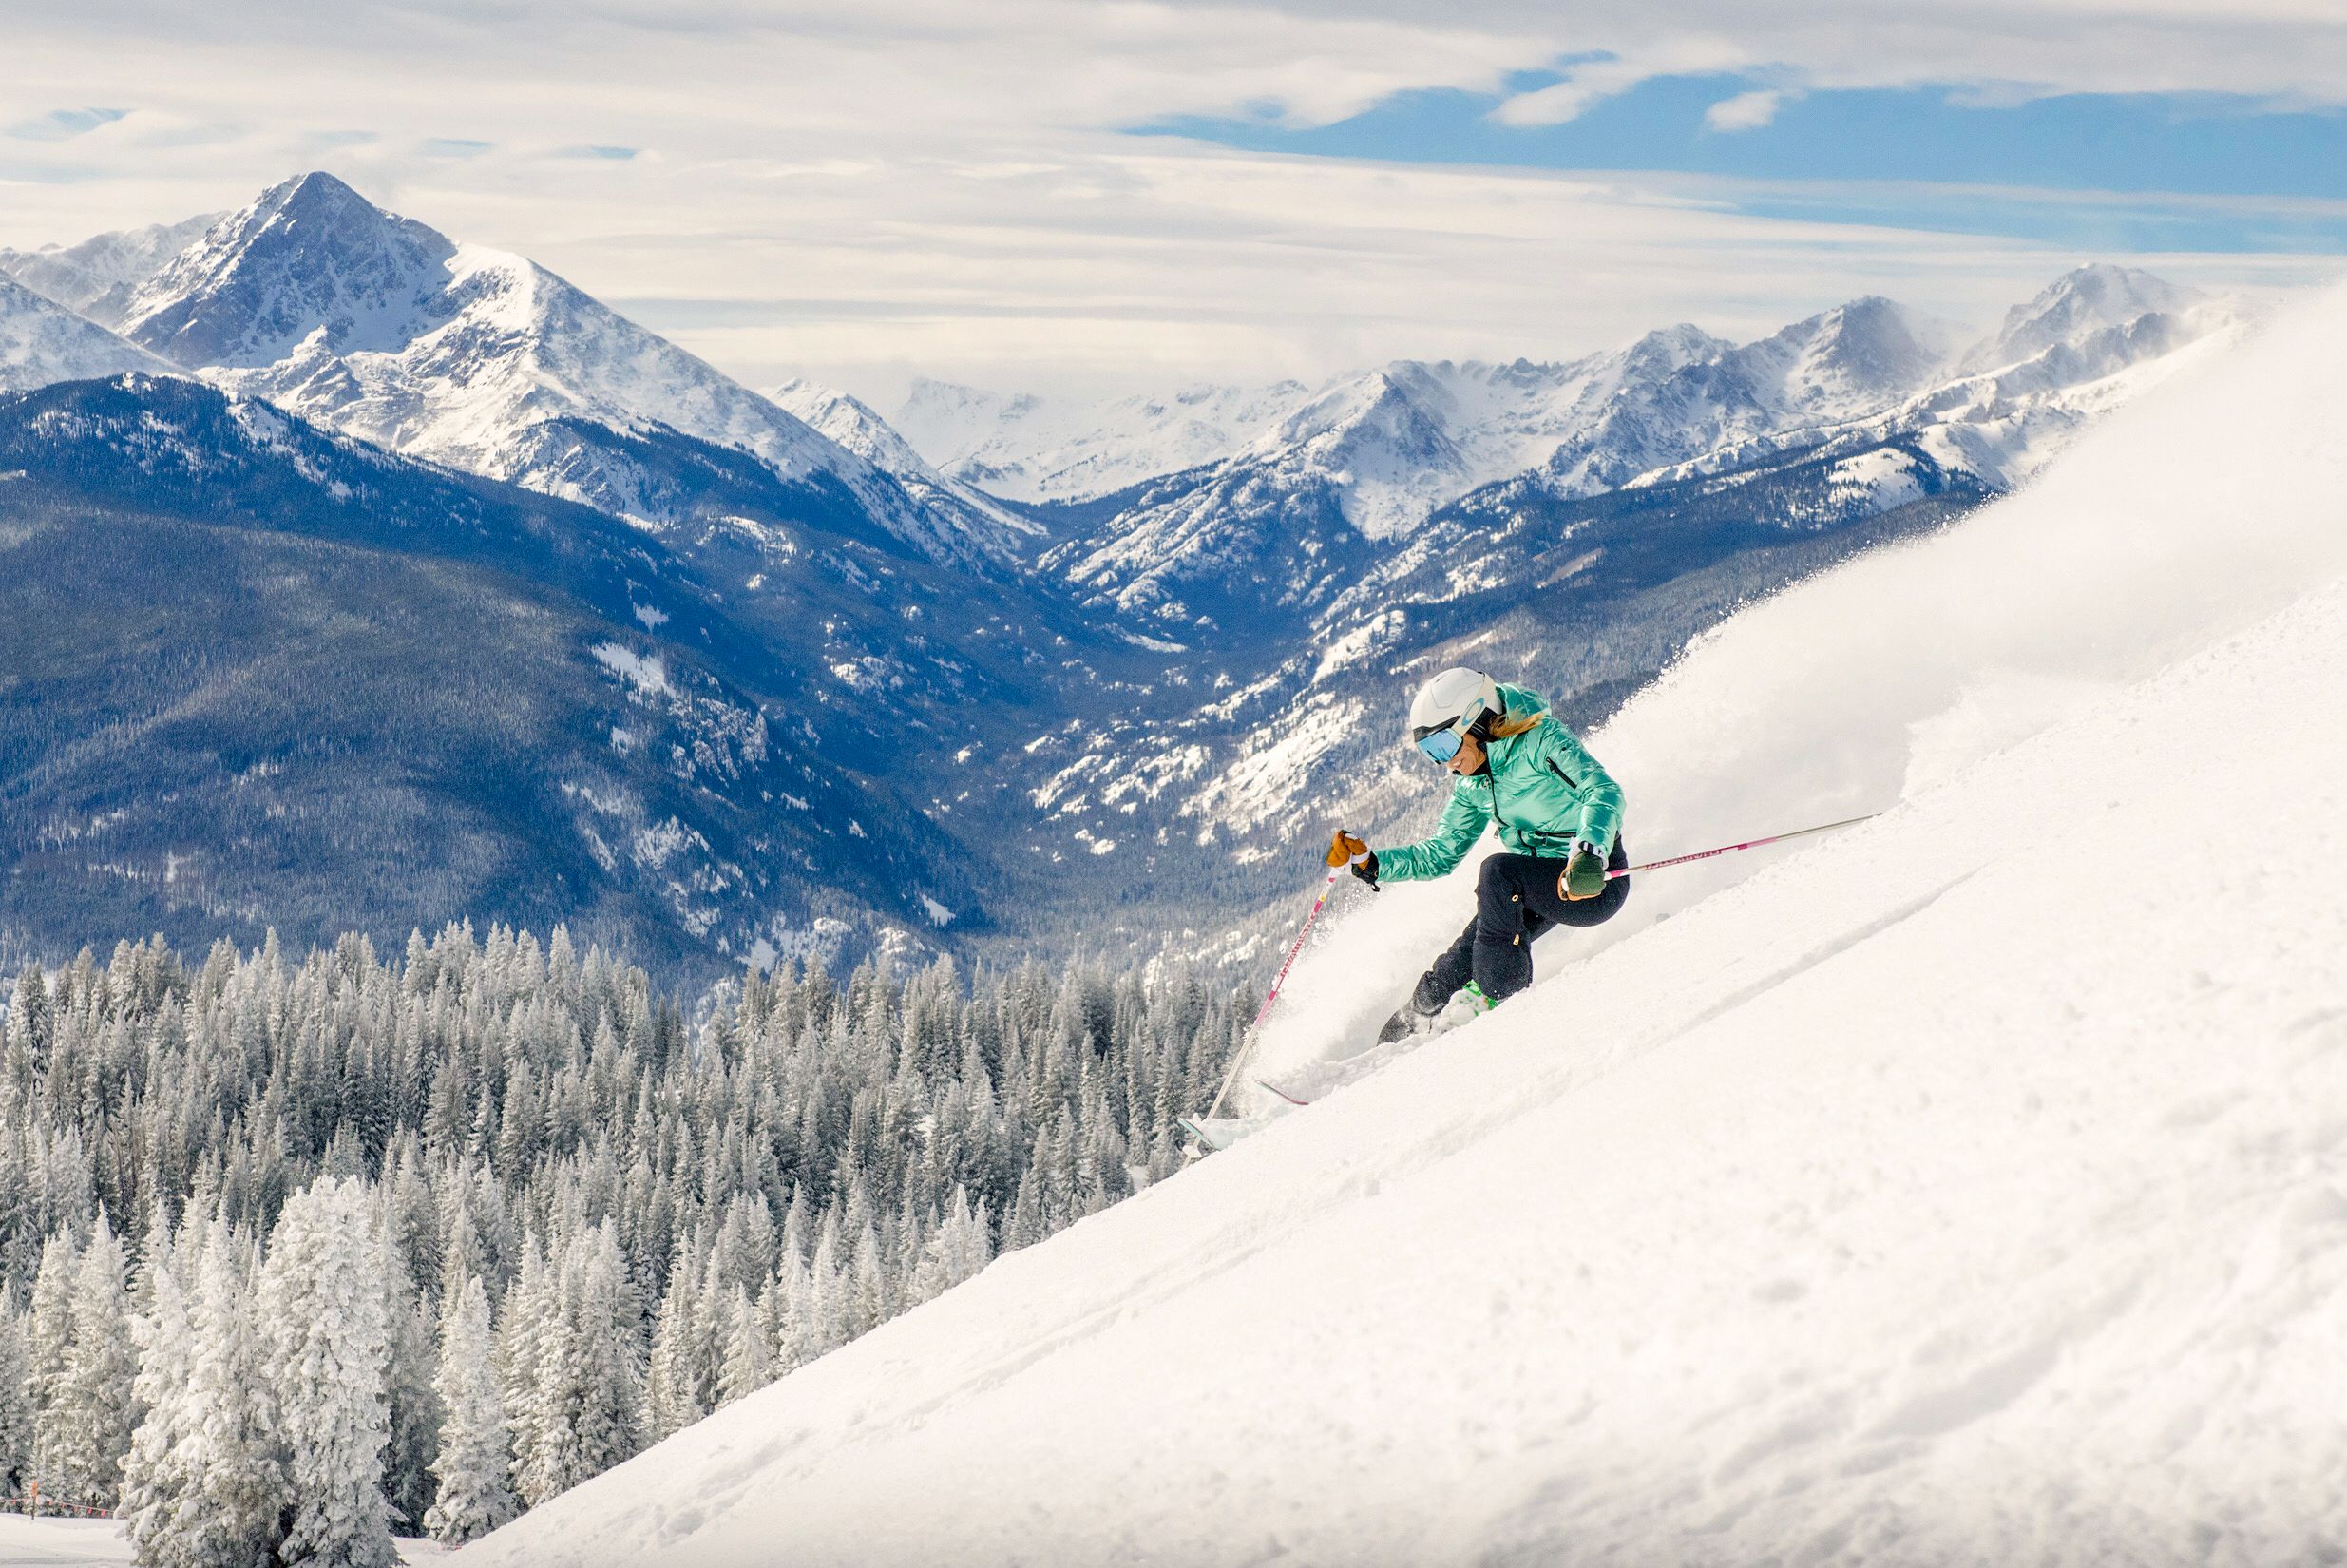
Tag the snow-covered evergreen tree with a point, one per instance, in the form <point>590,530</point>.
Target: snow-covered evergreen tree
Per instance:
<point>407,1386</point>
<point>956,1250</point>
<point>543,1122</point>
<point>238,1492</point>
<point>673,1379</point>
<point>474,1465</point>
<point>48,1337</point>
<point>16,1435</point>
<point>322,1315</point>
<point>96,1408</point>
<point>156,1473</point>
<point>587,1401</point>
<point>749,1357</point>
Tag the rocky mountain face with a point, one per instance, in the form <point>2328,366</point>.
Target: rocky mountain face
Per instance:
<point>1024,672</point>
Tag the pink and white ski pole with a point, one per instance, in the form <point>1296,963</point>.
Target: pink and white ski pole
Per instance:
<point>1731,848</point>
<point>1272,995</point>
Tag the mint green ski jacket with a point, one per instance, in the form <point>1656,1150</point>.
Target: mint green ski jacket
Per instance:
<point>1541,790</point>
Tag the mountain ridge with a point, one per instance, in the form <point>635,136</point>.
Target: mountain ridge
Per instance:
<point>356,317</point>
<point>43,342</point>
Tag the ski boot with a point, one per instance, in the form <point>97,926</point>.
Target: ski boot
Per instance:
<point>1468,1006</point>
<point>1407,1020</point>
<point>1414,1018</point>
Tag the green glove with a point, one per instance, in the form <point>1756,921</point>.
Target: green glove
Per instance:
<point>1584,875</point>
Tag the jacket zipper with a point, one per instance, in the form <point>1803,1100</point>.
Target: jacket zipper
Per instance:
<point>1491,776</point>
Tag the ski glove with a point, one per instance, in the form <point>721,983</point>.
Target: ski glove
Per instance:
<point>1584,875</point>
<point>1344,849</point>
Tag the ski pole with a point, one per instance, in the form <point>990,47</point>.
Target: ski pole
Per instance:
<point>1749,844</point>
<point>1264,1011</point>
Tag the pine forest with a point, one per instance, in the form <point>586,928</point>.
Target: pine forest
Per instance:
<point>300,1253</point>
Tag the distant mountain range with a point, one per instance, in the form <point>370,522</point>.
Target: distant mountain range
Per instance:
<point>358,576</point>
<point>1380,453</point>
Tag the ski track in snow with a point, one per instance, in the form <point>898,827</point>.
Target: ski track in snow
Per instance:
<point>1964,1187</point>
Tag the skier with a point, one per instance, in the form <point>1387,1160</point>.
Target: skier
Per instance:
<point>1559,817</point>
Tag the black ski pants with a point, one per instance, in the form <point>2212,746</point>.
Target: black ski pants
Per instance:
<point>1516,899</point>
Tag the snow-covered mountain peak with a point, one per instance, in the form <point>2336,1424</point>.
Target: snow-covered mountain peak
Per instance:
<point>1854,357</point>
<point>310,253</point>
<point>848,420</point>
<point>1388,449</point>
<point>2083,300</point>
<point>43,342</point>
<point>318,300</point>
<point>1668,348</point>
<point>97,276</point>
<point>938,414</point>
<point>1030,448</point>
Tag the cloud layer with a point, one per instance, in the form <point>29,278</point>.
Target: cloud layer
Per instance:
<point>861,192</point>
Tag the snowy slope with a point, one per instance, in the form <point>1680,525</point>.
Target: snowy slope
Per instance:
<point>352,316</point>
<point>104,1543</point>
<point>1964,1188</point>
<point>41,342</point>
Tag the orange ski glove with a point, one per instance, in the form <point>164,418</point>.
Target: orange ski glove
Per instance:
<point>1344,849</point>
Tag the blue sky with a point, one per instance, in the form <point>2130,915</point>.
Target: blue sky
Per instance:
<point>2253,176</point>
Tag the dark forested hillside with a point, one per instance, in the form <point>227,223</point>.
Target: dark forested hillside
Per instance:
<point>255,676</point>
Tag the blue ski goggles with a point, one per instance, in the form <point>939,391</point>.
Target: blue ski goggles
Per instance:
<point>1441,746</point>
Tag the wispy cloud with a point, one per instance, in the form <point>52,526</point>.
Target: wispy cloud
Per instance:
<point>1744,112</point>
<point>64,124</point>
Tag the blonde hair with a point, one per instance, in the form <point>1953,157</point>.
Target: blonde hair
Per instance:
<point>1515,724</point>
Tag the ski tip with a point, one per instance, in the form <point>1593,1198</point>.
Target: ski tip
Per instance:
<point>1267,1084</point>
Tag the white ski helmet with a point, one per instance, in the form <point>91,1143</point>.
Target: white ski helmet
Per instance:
<point>1458,699</point>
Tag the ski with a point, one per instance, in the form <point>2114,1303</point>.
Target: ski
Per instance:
<point>1267,1084</point>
